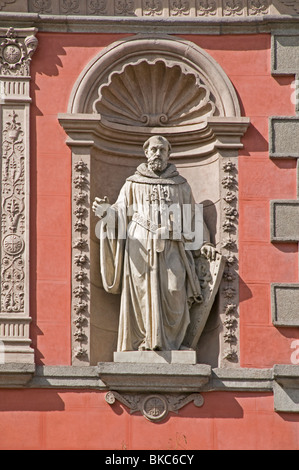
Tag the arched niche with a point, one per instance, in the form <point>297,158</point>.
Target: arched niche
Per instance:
<point>135,88</point>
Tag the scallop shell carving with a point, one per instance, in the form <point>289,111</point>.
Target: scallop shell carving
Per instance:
<point>154,94</point>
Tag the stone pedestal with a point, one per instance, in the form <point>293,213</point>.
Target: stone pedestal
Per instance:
<point>156,357</point>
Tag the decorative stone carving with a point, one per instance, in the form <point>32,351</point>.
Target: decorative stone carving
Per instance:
<point>124,7</point>
<point>209,9</point>
<point>145,95</point>
<point>15,54</point>
<point>206,7</point>
<point>154,407</point>
<point>13,216</point>
<point>97,7</point>
<point>70,7</point>
<point>233,7</point>
<point>3,3</point>
<point>89,133</point>
<point>179,7</point>
<point>178,56</point>
<point>171,272</point>
<point>258,7</point>
<point>291,4</point>
<point>41,6</point>
<point>81,261</point>
<point>16,49</point>
<point>229,244</point>
<point>152,7</point>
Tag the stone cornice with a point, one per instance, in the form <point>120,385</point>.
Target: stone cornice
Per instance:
<point>214,134</point>
<point>167,380</point>
<point>95,377</point>
<point>141,24</point>
<point>154,8</point>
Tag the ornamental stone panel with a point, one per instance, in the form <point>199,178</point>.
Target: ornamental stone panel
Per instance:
<point>16,49</point>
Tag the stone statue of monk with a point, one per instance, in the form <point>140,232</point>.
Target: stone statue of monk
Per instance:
<point>145,253</point>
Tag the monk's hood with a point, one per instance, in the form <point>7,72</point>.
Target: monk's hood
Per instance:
<point>145,175</point>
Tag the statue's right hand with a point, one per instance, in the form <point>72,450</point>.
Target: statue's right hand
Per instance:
<point>100,206</point>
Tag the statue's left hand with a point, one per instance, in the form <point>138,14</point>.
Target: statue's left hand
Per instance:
<point>208,251</point>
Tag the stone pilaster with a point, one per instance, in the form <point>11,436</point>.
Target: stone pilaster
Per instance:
<point>16,49</point>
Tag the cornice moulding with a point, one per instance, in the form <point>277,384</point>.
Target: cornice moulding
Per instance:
<point>171,25</point>
<point>196,140</point>
<point>282,380</point>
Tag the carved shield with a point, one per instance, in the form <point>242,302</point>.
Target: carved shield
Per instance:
<point>210,275</point>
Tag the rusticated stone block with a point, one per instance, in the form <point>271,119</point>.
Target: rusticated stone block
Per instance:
<point>285,54</point>
<point>285,388</point>
<point>285,301</point>
<point>284,221</point>
<point>283,140</point>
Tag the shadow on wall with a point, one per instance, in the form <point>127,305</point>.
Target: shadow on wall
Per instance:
<point>31,400</point>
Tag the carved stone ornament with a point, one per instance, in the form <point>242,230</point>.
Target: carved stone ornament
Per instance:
<point>135,88</point>
<point>230,280</point>
<point>155,407</point>
<point>41,6</point>
<point>233,7</point>
<point>80,259</point>
<point>3,3</point>
<point>291,4</point>
<point>258,7</point>
<point>154,94</point>
<point>179,7</point>
<point>16,53</point>
<point>154,9</point>
<point>16,49</point>
<point>206,7</point>
<point>13,216</point>
<point>97,7</point>
<point>124,7</point>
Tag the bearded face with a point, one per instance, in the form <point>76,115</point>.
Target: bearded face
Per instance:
<point>157,155</point>
<point>156,164</point>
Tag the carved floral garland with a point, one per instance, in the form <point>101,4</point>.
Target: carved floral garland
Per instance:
<point>229,182</point>
<point>80,246</point>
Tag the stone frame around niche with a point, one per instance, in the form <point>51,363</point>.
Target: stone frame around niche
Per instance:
<point>219,134</point>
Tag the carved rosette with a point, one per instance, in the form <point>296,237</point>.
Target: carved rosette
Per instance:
<point>229,247</point>
<point>80,259</point>
<point>16,53</point>
<point>155,407</point>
